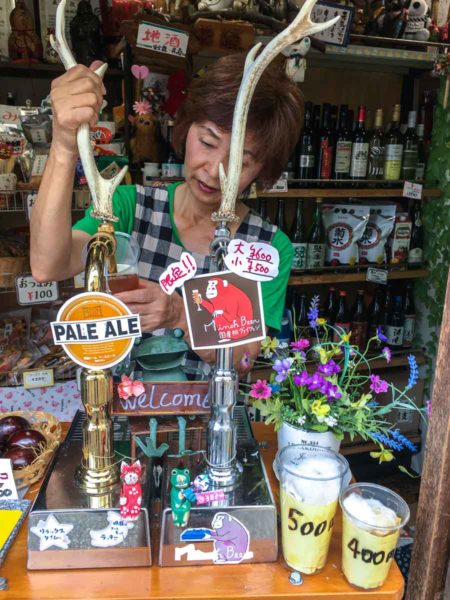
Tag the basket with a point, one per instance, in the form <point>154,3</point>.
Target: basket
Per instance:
<point>50,428</point>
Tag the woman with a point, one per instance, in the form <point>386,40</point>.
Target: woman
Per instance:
<point>166,220</point>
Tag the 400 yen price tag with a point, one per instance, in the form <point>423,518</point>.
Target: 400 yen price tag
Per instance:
<point>7,484</point>
<point>29,291</point>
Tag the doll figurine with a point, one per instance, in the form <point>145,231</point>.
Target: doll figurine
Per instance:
<point>24,44</point>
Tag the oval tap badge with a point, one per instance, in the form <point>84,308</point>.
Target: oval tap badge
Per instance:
<point>96,330</point>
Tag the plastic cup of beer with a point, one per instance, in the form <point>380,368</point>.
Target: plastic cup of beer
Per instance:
<point>311,479</point>
<point>372,517</point>
<point>127,257</point>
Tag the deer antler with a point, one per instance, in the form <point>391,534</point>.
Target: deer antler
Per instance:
<point>101,189</point>
<point>302,26</point>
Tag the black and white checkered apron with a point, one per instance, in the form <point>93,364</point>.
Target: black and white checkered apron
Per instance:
<point>153,231</point>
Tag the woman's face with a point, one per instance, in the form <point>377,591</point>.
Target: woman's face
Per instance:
<point>206,147</point>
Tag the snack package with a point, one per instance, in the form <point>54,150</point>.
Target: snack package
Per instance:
<point>372,245</point>
<point>398,242</point>
<point>344,227</point>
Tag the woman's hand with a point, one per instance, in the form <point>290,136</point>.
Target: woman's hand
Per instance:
<point>156,309</point>
<point>77,98</point>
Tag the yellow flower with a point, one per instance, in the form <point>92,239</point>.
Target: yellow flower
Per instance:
<point>321,321</point>
<point>325,355</point>
<point>269,345</point>
<point>383,455</point>
<point>319,409</point>
<point>362,401</point>
<point>346,337</point>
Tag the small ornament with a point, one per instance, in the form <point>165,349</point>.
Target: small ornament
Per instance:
<point>180,505</point>
<point>128,387</point>
<point>418,21</point>
<point>131,491</point>
<point>144,144</point>
<point>86,34</point>
<point>24,44</point>
<point>149,448</point>
<point>142,107</point>
<point>139,71</point>
<point>296,63</point>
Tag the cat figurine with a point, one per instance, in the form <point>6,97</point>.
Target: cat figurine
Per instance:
<point>131,491</point>
<point>180,505</point>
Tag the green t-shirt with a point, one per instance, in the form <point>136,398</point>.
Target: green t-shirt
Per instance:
<point>273,292</point>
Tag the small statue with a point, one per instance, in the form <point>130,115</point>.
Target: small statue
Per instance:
<point>86,34</point>
<point>131,491</point>
<point>296,61</point>
<point>144,144</point>
<point>418,21</point>
<point>160,357</point>
<point>24,44</point>
<point>180,505</point>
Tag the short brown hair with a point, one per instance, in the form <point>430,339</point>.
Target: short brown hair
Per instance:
<point>275,117</point>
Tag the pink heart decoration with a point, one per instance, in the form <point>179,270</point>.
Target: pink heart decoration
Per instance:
<point>140,71</point>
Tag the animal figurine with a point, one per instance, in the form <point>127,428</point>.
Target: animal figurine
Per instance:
<point>392,22</point>
<point>180,505</point>
<point>24,44</point>
<point>144,143</point>
<point>418,21</point>
<point>131,491</point>
<point>296,61</point>
<point>86,34</point>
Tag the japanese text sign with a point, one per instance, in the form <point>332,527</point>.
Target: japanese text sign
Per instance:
<point>166,40</point>
<point>29,291</point>
<point>252,260</point>
<point>338,34</point>
<point>177,273</point>
<point>7,484</point>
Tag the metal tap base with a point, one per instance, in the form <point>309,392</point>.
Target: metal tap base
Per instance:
<point>62,498</point>
<point>217,532</point>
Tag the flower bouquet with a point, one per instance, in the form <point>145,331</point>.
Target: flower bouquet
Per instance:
<point>320,387</point>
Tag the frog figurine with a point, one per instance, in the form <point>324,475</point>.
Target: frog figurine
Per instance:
<point>180,505</point>
<point>160,357</point>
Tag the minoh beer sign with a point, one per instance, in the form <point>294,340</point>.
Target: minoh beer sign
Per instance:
<point>96,330</point>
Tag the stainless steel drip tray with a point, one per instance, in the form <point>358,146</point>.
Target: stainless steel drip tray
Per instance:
<point>69,529</point>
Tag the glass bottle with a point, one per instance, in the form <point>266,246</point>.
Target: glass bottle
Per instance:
<point>421,153</point>
<point>376,313</point>
<point>376,148</point>
<point>279,219</point>
<point>410,316</point>
<point>315,252</point>
<point>306,156</point>
<point>330,306</point>
<point>262,207</point>
<point>360,148</point>
<point>394,148</point>
<point>298,239</point>
<point>395,326</point>
<point>359,322</point>
<point>325,152</point>
<point>303,328</point>
<point>343,150</point>
<point>171,166</point>
<point>410,149</point>
<point>342,321</point>
<point>415,253</point>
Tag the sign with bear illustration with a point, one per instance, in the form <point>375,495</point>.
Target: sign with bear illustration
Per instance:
<point>223,310</point>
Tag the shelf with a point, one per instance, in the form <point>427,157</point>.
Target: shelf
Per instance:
<point>319,278</point>
<point>16,202</point>
<point>44,70</point>
<point>346,193</point>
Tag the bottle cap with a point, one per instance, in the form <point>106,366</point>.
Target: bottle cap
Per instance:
<point>412,117</point>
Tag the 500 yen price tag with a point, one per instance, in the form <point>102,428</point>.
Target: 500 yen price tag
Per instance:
<point>29,291</point>
<point>7,484</point>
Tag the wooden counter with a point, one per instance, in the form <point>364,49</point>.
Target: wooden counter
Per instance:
<point>269,580</point>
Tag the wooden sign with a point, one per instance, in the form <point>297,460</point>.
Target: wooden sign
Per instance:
<point>224,36</point>
<point>166,398</point>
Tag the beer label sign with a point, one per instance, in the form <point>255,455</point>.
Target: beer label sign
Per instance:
<point>96,330</point>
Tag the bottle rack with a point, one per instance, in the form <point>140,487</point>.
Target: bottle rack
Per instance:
<point>343,192</point>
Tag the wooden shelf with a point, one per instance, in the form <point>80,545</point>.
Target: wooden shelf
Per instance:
<point>346,193</point>
<point>319,278</point>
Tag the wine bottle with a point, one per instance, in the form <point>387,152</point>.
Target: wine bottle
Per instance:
<point>333,119</point>
<point>421,154</point>
<point>376,313</point>
<point>262,207</point>
<point>325,156</point>
<point>306,155</point>
<point>359,322</point>
<point>387,302</point>
<point>360,148</point>
<point>171,166</point>
<point>415,254</point>
<point>298,239</point>
<point>410,316</point>
<point>394,148</point>
<point>343,150</point>
<point>279,219</point>
<point>376,148</point>
<point>315,252</point>
<point>342,321</point>
<point>330,307</point>
<point>395,326</point>
<point>410,149</point>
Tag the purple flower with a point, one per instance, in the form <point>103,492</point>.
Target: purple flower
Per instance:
<point>313,312</point>
<point>413,371</point>
<point>330,368</point>
<point>260,389</point>
<point>316,382</point>
<point>428,407</point>
<point>386,352</point>
<point>331,391</point>
<point>282,368</point>
<point>301,378</point>
<point>380,335</point>
<point>300,344</point>
<point>379,386</point>
<point>245,363</point>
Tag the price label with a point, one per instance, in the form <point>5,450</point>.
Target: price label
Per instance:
<point>39,163</point>
<point>38,378</point>
<point>29,291</point>
<point>30,200</point>
<point>7,484</point>
<point>281,185</point>
<point>255,260</point>
<point>166,40</point>
<point>412,190</point>
<point>377,275</point>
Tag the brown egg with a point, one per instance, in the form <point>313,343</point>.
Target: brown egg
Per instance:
<point>26,438</point>
<point>9,425</point>
<point>20,457</point>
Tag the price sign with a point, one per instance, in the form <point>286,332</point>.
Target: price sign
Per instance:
<point>166,40</point>
<point>412,190</point>
<point>38,378</point>
<point>29,291</point>
<point>30,200</point>
<point>255,260</point>
<point>39,163</point>
<point>7,484</point>
<point>377,275</point>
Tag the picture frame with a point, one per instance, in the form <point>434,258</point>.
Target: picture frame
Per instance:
<point>339,34</point>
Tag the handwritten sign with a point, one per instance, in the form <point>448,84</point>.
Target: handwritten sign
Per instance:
<point>38,378</point>
<point>113,534</point>
<point>377,275</point>
<point>166,40</point>
<point>30,291</point>
<point>177,273</point>
<point>254,260</point>
<point>7,484</point>
<point>338,34</point>
<point>166,398</point>
<point>412,190</point>
<point>52,533</point>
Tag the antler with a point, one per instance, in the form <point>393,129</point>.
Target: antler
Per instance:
<point>302,26</point>
<point>101,189</point>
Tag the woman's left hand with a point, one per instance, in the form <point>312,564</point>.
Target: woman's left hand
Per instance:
<point>156,309</point>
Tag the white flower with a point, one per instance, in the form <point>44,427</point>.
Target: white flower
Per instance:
<point>301,420</point>
<point>331,421</point>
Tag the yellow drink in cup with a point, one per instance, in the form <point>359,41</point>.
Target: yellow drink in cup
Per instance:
<point>372,519</point>
<point>311,479</point>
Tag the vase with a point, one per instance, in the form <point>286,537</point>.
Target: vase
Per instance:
<point>289,434</point>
